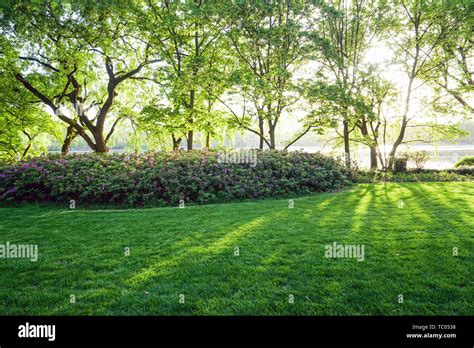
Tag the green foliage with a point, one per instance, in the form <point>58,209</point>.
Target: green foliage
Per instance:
<point>22,124</point>
<point>195,64</point>
<point>448,71</point>
<point>331,101</point>
<point>75,58</point>
<point>173,68</point>
<point>269,42</point>
<point>166,178</point>
<point>465,161</point>
<point>414,175</point>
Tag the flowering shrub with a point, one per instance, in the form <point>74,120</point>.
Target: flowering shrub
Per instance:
<point>166,178</point>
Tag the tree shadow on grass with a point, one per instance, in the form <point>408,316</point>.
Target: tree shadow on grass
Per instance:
<point>268,255</point>
<point>274,257</point>
<point>408,253</point>
<point>281,252</point>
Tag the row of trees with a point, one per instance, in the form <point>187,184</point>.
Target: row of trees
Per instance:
<point>177,68</point>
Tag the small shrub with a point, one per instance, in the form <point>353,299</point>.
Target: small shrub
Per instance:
<point>400,165</point>
<point>465,161</point>
<point>420,158</point>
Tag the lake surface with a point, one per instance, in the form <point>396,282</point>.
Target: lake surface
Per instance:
<point>441,157</point>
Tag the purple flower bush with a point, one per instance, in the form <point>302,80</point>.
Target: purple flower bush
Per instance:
<point>164,178</point>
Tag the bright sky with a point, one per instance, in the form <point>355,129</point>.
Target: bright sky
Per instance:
<point>380,54</point>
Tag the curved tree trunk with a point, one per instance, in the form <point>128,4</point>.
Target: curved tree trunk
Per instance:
<point>70,135</point>
<point>176,141</point>
<point>100,141</point>
<point>260,128</point>
<point>403,126</point>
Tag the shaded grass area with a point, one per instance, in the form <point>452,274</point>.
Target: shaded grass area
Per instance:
<point>191,251</point>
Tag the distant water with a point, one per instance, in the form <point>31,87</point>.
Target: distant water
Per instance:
<point>441,157</point>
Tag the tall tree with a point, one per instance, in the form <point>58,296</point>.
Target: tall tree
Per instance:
<point>187,33</point>
<point>450,68</point>
<point>422,28</point>
<point>344,32</point>
<point>375,94</point>
<point>74,57</point>
<point>267,39</point>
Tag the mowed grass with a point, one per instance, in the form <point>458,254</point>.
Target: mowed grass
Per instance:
<point>191,251</point>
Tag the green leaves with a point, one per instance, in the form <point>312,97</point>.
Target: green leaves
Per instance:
<point>22,124</point>
<point>179,67</point>
<point>74,56</point>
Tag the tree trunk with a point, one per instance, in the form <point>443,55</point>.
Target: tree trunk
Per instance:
<point>190,140</point>
<point>373,150</point>
<point>191,120</point>
<point>403,126</point>
<point>208,140</point>
<point>412,76</point>
<point>271,133</point>
<point>100,142</point>
<point>398,141</point>
<point>193,92</point>
<point>70,135</point>
<point>176,142</point>
<point>25,152</point>
<point>373,157</point>
<point>30,143</point>
<point>260,127</point>
<point>347,151</point>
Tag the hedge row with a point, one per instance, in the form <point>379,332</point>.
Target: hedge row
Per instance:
<point>453,174</point>
<point>166,178</point>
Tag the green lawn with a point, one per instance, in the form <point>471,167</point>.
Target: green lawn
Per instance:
<point>190,251</point>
